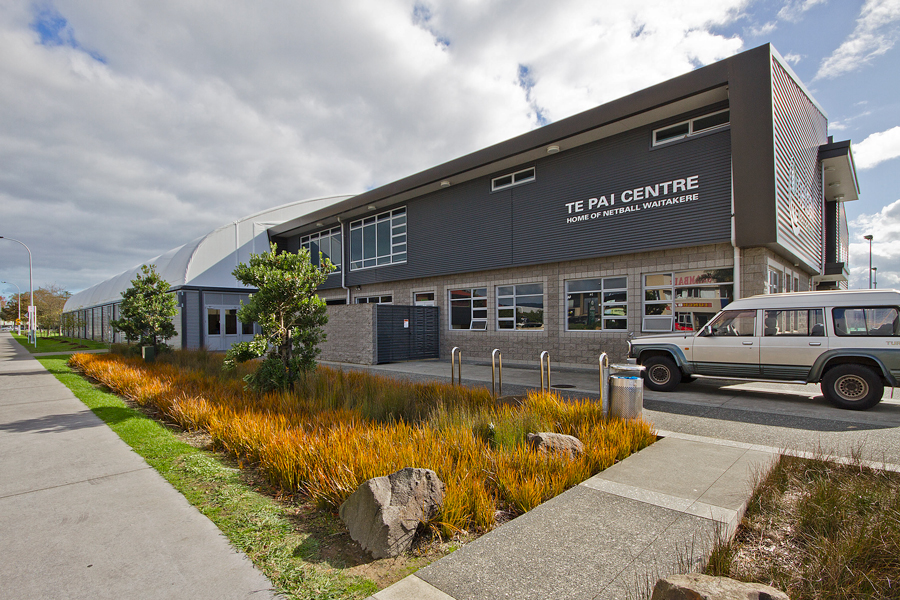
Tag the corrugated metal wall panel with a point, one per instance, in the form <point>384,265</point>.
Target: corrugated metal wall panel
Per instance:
<point>800,128</point>
<point>419,340</point>
<point>468,228</point>
<point>192,306</point>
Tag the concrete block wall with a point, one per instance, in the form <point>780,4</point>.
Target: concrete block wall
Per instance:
<point>567,348</point>
<point>350,334</point>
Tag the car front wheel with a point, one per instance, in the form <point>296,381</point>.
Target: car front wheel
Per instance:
<point>661,374</point>
<point>856,387</point>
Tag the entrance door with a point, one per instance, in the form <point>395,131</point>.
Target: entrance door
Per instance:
<point>223,329</point>
<point>728,347</point>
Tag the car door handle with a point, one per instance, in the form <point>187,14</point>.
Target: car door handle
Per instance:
<point>747,343</point>
<point>815,343</point>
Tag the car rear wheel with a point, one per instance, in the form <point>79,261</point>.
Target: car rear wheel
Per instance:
<point>856,387</point>
<point>661,374</point>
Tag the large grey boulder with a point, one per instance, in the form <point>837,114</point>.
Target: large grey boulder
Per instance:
<point>545,441</point>
<point>384,513</point>
<point>695,586</point>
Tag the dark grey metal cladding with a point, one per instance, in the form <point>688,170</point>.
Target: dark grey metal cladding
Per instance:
<point>468,228</point>
<point>406,332</point>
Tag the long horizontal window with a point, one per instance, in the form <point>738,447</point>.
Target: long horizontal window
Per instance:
<point>374,300</point>
<point>520,307</point>
<point>692,127</point>
<point>378,240</point>
<point>517,178</point>
<point>685,301</point>
<point>327,242</point>
<point>595,304</point>
<point>877,322</point>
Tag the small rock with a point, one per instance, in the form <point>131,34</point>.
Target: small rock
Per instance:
<point>384,512</point>
<point>695,586</point>
<point>544,441</point>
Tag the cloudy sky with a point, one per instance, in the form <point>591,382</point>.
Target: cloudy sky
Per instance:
<point>130,127</point>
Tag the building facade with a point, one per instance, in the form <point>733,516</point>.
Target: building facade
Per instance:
<point>647,214</point>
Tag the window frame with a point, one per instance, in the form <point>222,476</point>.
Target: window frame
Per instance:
<point>472,308</point>
<point>601,303</point>
<point>690,132</point>
<point>513,180</point>
<point>379,299</point>
<point>671,288</point>
<point>515,307</point>
<point>398,227</point>
<point>868,331</point>
<point>333,234</point>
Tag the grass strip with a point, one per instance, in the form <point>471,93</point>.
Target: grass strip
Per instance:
<point>55,343</point>
<point>254,523</point>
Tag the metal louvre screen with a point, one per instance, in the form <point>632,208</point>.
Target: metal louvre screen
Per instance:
<point>799,130</point>
<point>406,333</point>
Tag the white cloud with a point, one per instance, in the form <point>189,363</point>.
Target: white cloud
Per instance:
<point>793,9</point>
<point>793,58</point>
<point>884,226</point>
<point>875,33</point>
<point>764,29</point>
<point>877,148</point>
<point>139,126</point>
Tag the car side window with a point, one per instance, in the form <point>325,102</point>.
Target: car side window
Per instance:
<point>870,321</point>
<point>794,322</point>
<point>734,323</point>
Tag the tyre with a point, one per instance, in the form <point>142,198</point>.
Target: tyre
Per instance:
<point>856,387</point>
<point>661,374</point>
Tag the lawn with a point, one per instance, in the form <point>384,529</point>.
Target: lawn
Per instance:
<point>57,343</point>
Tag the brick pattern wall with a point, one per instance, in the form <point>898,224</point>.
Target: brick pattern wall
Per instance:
<point>350,334</point>
<point>567,348</point>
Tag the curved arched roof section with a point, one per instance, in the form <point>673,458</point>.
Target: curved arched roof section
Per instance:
<point>208,260</point>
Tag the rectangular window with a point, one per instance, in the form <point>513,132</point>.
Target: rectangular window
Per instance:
<point>685,300</point>
<point>696,126</point>
<point>423,298</point>
<point>378,240</point>
<point>875,322</point>
<point>328,243</point>
<point>247,328</point>
<point>468,309</point>
<point>520,307</point>
<point>517,178</point>
<point>335,301</point>
<point>774,281</point>
<point>374,299</point>
<point>808,323</point>
<point>213,322</point>
<point>231,321</point>
<point>596,304</point>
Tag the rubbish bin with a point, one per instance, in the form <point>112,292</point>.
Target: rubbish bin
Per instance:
<point>626,392</point>
<point>148,353</point>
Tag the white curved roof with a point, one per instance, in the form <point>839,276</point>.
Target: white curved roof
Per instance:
<point>209,260</point>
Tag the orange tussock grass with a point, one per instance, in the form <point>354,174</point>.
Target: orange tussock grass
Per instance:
<point>338,429</point>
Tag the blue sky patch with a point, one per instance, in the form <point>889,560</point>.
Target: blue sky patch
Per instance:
<point>54,30</point>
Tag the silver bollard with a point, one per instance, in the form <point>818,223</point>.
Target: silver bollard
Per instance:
<point>543,355</point>
<point>497,357</point>
<point>455,367</point>
<point>604,383</point>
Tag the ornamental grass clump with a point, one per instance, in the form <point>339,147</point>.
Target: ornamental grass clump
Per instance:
<point>337,429</point>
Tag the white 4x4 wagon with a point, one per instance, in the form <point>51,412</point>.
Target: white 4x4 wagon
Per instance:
<point>849,341</point>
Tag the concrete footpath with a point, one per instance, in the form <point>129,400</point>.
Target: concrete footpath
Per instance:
<point>658,511</point>
<point>83,516</point>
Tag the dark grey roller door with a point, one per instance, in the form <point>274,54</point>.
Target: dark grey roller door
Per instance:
<point>406,332</point>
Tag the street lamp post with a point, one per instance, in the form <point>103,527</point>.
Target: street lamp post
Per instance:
<point>32,317</point>
<point>875,274</point>
<point>869,237</point>
<point>19,304</point>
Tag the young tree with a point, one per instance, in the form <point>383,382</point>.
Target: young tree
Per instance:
<point>147,310</point>
<point>289,313</point>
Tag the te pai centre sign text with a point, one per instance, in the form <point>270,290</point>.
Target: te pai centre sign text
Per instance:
<point>646,197</point>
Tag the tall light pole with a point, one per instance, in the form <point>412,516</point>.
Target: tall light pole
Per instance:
<point>875,273</point>
<point>32,317</point>
<point>869,237</point>
<point>19,304</point>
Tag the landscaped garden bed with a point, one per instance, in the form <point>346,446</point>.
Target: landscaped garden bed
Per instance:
<point>337,429</point>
